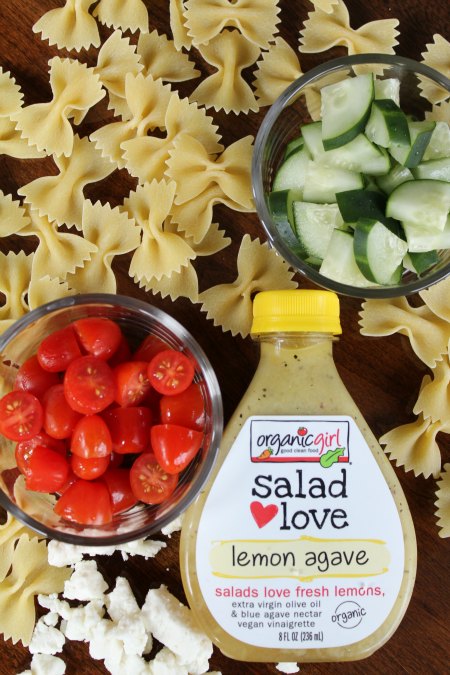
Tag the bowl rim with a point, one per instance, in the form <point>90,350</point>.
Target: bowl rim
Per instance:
<point>215,435</point>
<point>283,100</point>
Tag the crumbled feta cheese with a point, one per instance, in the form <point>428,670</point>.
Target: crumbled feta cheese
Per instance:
<point>286,667</point>
<point>54,604</point>
<point>172,623</point>
<point>46,639</point>
<point>50,619</point>
<point>166,663</point>
<point>147,548</point>
<point>120,601</point>
<point>102,642</point>
<point>132,633</point>
<point>173,526</point>
<point>45,664</point>
<point>81,620</point>
<point>86,582</point>
<point>131,664</point>
<point>61,554</point>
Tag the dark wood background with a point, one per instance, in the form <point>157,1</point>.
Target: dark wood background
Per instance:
<point>383,375</point>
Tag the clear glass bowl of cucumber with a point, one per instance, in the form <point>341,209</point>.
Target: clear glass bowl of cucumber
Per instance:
<point>351,176</point>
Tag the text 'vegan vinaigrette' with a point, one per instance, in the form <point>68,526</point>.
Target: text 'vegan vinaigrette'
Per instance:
<point>302,547</point>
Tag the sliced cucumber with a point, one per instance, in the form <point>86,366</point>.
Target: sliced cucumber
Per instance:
<point>421,203</point>
<point>420,262</point>
<point>339,262</point>
<point>358,155</point>
<point>291,173</point>
<point>439,145</point>
<point>387,124</point>
<point>280,205</point>
<point>412,154</point>
<point>345,109</point>
<point>378,252</point>
<point>435,169</point>
<point>356,204</point>
<point>293,146</point>
<point>422,240</point>
<point>397,175</point>
<point>388,88</point>
<point>312,135</point>
<point>323,182</point>
<point>314,225</point>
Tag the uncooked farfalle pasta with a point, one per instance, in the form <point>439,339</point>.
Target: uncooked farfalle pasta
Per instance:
<point>259,269</point>
<point>11,101</point>
<point>323,30</point>
<point>178,27</point>
<point>69,27</point>
<point>124,14</point>
<point>61,197</point>
<point>15,273</point>
<point>434,397</point>
<point>13,217</point>
<point>278,68</point>
<point>443,502</point>
<point>437,299</point>
<point>162,59</point>
<point>11,97</point>
<point>437,56</point>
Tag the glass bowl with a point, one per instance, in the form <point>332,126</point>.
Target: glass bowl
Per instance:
<point>137,320</point>
<point>300,104</point>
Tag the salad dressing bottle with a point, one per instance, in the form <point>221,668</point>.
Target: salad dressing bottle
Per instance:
<point>301,547</point>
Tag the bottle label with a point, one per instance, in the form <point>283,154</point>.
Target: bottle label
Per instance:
<point>300,543</point>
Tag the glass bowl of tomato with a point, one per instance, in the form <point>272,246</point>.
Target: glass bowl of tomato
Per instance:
<point>110,419</point>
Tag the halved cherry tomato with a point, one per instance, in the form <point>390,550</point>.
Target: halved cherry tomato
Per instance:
<point>33,378</point>
<point>89,468</point>
<point>186,409</point>
<point>132,385</point>
<point>24,449</point>
<point>149,347</point>
<point>170,372</point>
<point>122,353</point>
<point>58,350</point>
<point>89,385</point>
<point>85,502</point>
<point>129,428</point>
<point>21,415</point>
<point>59,418</point>
<point>118,482</point>
<point>174,446</point>
<point>98,336</point>
<point>149,482</point>
<point>91,438</point>
<point>47,470</point>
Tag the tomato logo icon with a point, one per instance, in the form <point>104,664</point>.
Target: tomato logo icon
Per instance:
<point>302,431</point>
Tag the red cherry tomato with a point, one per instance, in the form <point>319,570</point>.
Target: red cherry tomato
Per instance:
<point>98,336</point>
<point>174,446</point>
<point>58,350</point>
<point>59,418</point>
<point>129,428</point>
<point>24,449</point>
<point>116,460</point>
<point>33,378</point>
<point>89,468</point>
<point>47,470</point>
<point>122,353</point>
<point>21,415</point>
<point>91,438</point>
<point>186,409</point>
<point>89,385</point>
<point>85,502</point>
<point>132,385</point>
<point>149,347</point>
<point>118,483</point>
<point>149,482</point>
<point>170,372</point>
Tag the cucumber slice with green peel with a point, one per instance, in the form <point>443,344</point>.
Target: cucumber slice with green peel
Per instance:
<point>388,88</point>
<point>339,262</point>
<point>422,203</point>
<point>378,252</point>
<point>397,175</point>
<point>439,145</point>
<point>357,155</point>
<point>387,124</point>
<point>314,224</point>
<point>412,154</point>
<point>435,169</point>
<point>312,136</point>
<point>420,262</point>
<point>421,240</point>
<point>293,146</point>
<point>356,204</point>
<point>345,109</point>
<point>323,182</point>
<point>280,205</point>
<point>291,173</point>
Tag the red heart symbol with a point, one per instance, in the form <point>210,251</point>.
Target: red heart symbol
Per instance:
<point>263,514</point>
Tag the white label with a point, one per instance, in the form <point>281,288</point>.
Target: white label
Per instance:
<point>300,543</point>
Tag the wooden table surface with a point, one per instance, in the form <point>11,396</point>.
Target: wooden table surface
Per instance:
<point>383,375</point>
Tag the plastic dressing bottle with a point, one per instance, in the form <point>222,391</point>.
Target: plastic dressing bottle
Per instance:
<point>301,547</point>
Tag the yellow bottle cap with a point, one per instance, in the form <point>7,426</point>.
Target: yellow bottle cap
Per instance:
<point>299,311</point>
